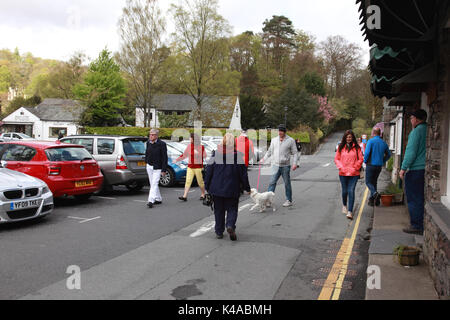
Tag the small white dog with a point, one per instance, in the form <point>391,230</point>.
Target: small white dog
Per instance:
<point>262,200</point>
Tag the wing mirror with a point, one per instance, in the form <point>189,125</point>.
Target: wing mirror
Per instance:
<point>3,164</point>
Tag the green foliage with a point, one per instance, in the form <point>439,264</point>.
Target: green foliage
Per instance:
<point>166,133</point>
<point>392,189</point>
<point>173,120</point>
<point>313,84</point>
<point>302,108</point>
<point>252,112</point>
<point>20,102</point>
<point>390,164</point>
<point>102,91</point>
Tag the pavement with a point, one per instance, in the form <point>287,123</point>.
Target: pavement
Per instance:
<point>397,282</point>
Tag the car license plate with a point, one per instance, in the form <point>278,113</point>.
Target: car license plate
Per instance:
<point>87,183</point>
<point>25,205</point>
<point>142,164</point>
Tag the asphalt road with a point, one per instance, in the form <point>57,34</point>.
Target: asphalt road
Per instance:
<point>117,231</point>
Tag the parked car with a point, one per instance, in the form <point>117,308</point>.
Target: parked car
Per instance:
<point>22,197</point>
<point>68,170</point>
<point>176,172</point>
<point>14,136</point>
<point>122,160</point>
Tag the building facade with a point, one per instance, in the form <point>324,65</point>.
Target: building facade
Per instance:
<point>47,120</point>
<point>217,112</point>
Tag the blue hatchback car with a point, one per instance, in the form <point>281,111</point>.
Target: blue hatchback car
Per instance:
<point>176,172</point>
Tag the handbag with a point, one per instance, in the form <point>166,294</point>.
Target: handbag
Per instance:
<point>208,201</point>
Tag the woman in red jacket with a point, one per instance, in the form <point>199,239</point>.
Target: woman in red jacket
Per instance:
<point>349,160</point>
<point>195,152</point>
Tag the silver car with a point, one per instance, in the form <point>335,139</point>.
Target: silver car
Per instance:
<point>22,197</point>
<point>121,158</point>
<point>14,136</point>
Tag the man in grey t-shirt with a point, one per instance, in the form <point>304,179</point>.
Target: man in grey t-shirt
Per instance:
<point>280,151</point>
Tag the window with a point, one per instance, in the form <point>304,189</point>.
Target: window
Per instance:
<point>134,147</point>
<point>67,154</point>
<point>54,132</point>
<point>85,142</point>
<point>16,152</point>
<point>105,146</point>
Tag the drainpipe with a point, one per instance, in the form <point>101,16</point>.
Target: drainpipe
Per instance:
<point>402,153</point>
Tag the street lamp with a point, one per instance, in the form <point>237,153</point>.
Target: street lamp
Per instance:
<point>285,116</point>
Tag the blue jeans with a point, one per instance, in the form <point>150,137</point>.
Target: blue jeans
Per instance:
<point>372,174</point>
<point>415,194</point>
<point>285,172</point>
<point>230,206</point>
<point>348,191</point>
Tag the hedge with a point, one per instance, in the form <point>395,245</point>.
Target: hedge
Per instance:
<point>167,133</point>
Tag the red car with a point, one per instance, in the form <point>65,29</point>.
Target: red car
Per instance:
<point>68,170</point>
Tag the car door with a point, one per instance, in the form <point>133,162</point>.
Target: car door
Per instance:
<point>106,154</point>
<point>134,150</point>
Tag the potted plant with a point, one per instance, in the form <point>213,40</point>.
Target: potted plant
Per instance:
<point>392,191</point>
<point>406,255</point>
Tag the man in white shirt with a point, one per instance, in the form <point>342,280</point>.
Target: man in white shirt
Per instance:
<point>281,149</point>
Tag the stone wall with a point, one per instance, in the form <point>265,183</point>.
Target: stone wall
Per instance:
<point>437,217</point>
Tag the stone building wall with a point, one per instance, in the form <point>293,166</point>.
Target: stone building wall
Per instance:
<point>437,216</point>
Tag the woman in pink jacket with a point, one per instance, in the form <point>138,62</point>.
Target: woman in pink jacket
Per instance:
<point>349,160</point>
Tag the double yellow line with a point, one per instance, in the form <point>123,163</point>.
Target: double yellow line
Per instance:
<point>333,285</point>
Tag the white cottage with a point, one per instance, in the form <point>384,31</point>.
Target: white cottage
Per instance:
<point>47,120</point>
<point>217,112</point>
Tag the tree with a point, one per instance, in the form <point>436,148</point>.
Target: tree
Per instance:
<point>342,59</point>
<point>200,31</point>
<point>20,102</point>
<point>252,113</point>
<point>60,80</point>
<point>278,38</point>
<point>102,91</point>
<point>302,109</point>
<point>142,53</point>
<point>313,84</point>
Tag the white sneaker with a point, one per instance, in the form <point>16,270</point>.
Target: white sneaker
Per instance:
<point>344,210</point>
<point>350,215</point>
<point>287,204</point>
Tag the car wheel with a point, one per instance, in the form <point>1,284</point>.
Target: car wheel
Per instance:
<point>83,197</point>
<point>135,186</point>
<point>169,179</point>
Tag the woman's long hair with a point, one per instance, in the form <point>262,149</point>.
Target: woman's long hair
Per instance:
<point>196,140</point>
<point>344,141</point>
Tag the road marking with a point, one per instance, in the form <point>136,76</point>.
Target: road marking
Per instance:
<point>84,220</point>
<point>327,165</point>
<point>89,220</point>
<point>106,198</point>
<point>335,279</point>
<point>246,206</point>
<point>203,229</point>
<point>210,225</point>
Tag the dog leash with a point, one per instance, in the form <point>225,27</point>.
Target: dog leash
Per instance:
<point>259,177</point>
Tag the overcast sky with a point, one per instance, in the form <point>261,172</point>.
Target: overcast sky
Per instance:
<point>55,29</point>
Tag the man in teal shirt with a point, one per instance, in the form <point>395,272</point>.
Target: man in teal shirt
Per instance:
<point>413,171</point>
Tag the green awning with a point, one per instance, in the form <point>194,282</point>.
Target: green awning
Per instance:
<point>377,53</point>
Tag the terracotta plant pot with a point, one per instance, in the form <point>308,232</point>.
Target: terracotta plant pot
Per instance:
<point>386,199</point>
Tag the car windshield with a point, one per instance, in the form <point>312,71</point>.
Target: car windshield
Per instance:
<point>24,136</point>
<point>67,154</point>
<point>134,147</point>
